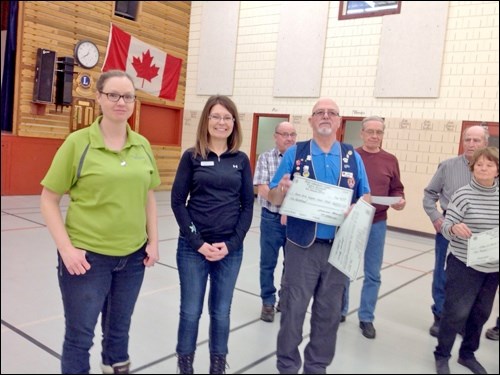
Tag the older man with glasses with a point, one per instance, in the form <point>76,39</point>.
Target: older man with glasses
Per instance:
<point>308,274</point>
<point>383,173</point>
<point>272,225</point>
<point>451,175</point>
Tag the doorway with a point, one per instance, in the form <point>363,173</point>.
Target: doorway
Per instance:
<point>265,123</point>
<point>263,134</point>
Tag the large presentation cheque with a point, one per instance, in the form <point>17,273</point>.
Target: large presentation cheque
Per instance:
<point>483,247</point>
<point>349,245</point>
<point>316,201</point>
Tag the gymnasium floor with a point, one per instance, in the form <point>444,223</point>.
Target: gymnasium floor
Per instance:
<point>33,324</point>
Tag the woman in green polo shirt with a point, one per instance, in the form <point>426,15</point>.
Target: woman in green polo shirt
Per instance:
<point>110,233</point>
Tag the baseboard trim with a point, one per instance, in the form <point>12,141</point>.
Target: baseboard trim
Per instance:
<point>410,231</point>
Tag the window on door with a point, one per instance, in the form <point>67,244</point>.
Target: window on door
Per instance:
<point>349,131</point>
<point>263,133</point>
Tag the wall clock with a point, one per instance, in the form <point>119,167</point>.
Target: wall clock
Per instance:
<point>86,54</point>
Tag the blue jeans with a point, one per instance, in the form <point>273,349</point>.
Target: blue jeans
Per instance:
<point>439,274</point>
<point>110,287</point>
<point>272,237</point>
<point>194,271</point>
<point>469,300</point>
<point>374,255</point>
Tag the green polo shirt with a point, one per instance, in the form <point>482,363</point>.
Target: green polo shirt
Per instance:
<point>108,190</point>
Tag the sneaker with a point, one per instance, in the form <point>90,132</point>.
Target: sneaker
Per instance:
<point>473,365</point>
<point>267,314</point>
<point>492,333</point>
<point>442,366</point>
<point>342,319</point>
<point>367,329</point>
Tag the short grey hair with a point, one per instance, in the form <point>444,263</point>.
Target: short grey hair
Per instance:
<point>373,118</point>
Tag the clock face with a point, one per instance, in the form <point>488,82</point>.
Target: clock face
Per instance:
<point>87,54</point>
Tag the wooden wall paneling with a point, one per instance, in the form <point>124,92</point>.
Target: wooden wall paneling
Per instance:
<point>167,159</point>
<point>59,25</point>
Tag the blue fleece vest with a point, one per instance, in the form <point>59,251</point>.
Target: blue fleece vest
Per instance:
<point>303,232</point>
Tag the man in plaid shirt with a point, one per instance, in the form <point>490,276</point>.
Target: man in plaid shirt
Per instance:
<point>272,225</point>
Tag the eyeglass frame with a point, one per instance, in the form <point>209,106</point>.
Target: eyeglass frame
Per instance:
<point>371,132</point>
<point>134,97</point>
<point>286,135</point>
<point>320,113</point>
<point>217,118</point>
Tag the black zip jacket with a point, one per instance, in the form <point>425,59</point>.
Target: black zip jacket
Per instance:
<point>212,199</point>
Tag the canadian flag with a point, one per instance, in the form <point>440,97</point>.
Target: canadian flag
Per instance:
<point>153,70</point>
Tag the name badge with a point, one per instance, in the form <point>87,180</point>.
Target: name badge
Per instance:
<point>347,174</point>
<point>206,163</point>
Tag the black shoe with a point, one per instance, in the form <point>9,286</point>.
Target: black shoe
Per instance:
<point>473,365</point>
<point>278,307</point>
<point>492,333</point>
<point>342,319</point>
<point>367,329</point>
<point>267,314</point>
<point>462,332</point>
<point>434,330</point>
<point>442,366</point>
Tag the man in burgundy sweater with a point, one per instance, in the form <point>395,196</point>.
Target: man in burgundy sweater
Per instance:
<point>383,173</point>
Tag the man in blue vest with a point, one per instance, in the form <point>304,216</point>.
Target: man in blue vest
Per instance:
<point>308,274</point>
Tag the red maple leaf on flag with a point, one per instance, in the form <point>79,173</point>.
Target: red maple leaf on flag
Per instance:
<point>145,69</point>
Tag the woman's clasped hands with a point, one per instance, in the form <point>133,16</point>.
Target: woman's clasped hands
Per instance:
<point>214,252</point>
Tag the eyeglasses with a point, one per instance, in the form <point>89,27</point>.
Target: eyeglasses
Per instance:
<point>286,135</point>
<point>114,97</point>
<point>373,132</point>
<point>217,118</point>
<point>321,114</point>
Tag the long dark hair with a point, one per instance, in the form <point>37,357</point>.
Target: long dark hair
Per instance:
<point>202,135</point>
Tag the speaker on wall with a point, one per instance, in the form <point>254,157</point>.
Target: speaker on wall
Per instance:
<point>64,81</point>
<point>126,9</point>
<point>44,76</point>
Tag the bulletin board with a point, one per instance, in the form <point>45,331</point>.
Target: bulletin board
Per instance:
<point>217,58</point>
<point>300,49</point>
<point>412,51</point>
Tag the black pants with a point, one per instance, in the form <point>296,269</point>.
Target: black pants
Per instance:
<point>469,297</point>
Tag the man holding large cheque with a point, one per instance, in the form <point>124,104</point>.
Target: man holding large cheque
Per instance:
<point>308,273</point>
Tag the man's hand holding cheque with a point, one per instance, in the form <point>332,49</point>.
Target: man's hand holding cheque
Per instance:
<point>313,200</point>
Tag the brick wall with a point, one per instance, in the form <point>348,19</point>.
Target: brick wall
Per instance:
<point>420,132</point>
